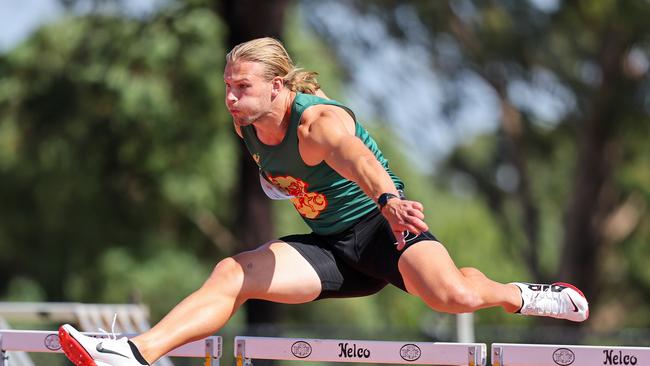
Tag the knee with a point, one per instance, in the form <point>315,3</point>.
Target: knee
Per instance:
<point>471,272</point>
<point>461,299</point>
<point>226,278</point>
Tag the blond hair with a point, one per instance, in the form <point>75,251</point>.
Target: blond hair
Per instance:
<point>277,62</point>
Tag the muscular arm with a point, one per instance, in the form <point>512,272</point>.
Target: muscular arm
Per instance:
<point>327,134</point>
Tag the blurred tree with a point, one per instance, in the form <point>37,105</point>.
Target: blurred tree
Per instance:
<point>253,209</point>
<point>113,136</point>
<point>570,80</point>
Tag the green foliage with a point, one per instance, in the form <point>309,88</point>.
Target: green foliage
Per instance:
<point>311,53</point>
<point>113,139</point>
<point>24,289</point>
<point>546,195</point>
<point>158,281</point>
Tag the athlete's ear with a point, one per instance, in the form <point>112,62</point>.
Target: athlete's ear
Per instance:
<point>277,84</point>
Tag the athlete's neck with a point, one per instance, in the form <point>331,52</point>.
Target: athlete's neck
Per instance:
<point>272,128</point>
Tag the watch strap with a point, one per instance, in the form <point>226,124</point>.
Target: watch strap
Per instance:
<point>383,199</point>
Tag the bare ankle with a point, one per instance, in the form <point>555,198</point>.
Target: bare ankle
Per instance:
<point>142,350</point>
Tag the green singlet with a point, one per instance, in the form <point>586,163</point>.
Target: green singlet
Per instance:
<point>328,202</point>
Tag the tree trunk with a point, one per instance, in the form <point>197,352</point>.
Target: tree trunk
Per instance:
<point>249,19</point>
<point>594,194</point>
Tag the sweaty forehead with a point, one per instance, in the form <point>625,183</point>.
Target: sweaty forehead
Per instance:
<point>240,70</point>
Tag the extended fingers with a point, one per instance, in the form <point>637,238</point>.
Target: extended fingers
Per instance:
<point>415,217</point>
<point>415,213</point>
<point>411,224</point>
<point>417,205</point>
<point>399,238</point>
<point>415,225</point>
<point>407,216</point>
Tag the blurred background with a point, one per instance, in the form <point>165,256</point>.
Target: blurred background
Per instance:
<point>523,127</point>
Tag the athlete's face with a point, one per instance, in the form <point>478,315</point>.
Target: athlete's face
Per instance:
<point>248,94</point>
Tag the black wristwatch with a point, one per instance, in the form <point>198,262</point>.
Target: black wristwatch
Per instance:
<point>383,199</point>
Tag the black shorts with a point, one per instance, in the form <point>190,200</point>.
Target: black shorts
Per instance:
<point>359,261</point>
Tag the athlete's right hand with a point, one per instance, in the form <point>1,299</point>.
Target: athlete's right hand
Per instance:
<point>404,215</point>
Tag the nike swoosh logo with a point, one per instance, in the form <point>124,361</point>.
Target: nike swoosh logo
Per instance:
<point>100,348</point>
<point>575,308</point>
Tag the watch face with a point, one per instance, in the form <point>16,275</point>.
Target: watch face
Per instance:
<point>383,199</point>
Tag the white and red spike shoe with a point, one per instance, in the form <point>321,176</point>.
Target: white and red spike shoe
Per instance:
<point>557,300</point>
<point>83,350</point>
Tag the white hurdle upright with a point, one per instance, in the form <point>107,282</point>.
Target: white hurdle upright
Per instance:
<point>358,351</point>
<point>510,354</point>
<point>209,348</point>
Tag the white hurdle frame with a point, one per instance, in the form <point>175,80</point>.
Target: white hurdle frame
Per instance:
<point>358,351</point>
<point>210,348</point>
<point>512,354</point>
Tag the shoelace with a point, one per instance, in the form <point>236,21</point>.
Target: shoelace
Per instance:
<point>546,302</point>
<point>112,335</point>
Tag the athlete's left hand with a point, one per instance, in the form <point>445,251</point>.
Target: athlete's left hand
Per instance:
<point>404,215</point>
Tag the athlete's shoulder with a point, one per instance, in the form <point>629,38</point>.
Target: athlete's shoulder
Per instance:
<point>323,125</point>
<point>320,115</point>
<point>318,112</point>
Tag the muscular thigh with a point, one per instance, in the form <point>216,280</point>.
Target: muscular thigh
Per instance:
<point>277,272</point>
<point>428,269</point>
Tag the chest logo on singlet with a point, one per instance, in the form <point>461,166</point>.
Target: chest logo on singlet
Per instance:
<point>308,204</point>
<point>256,157</point>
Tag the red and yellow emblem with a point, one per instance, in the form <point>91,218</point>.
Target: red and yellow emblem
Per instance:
<point>308,204</point>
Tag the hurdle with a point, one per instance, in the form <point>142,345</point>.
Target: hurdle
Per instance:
<point>358,351</point>
<point>510,354</point>
<point>209,348</point>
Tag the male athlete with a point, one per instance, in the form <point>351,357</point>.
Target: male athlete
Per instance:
<point>365,234</point>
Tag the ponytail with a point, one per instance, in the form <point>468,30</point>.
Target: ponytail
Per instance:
<point>299,80</point>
